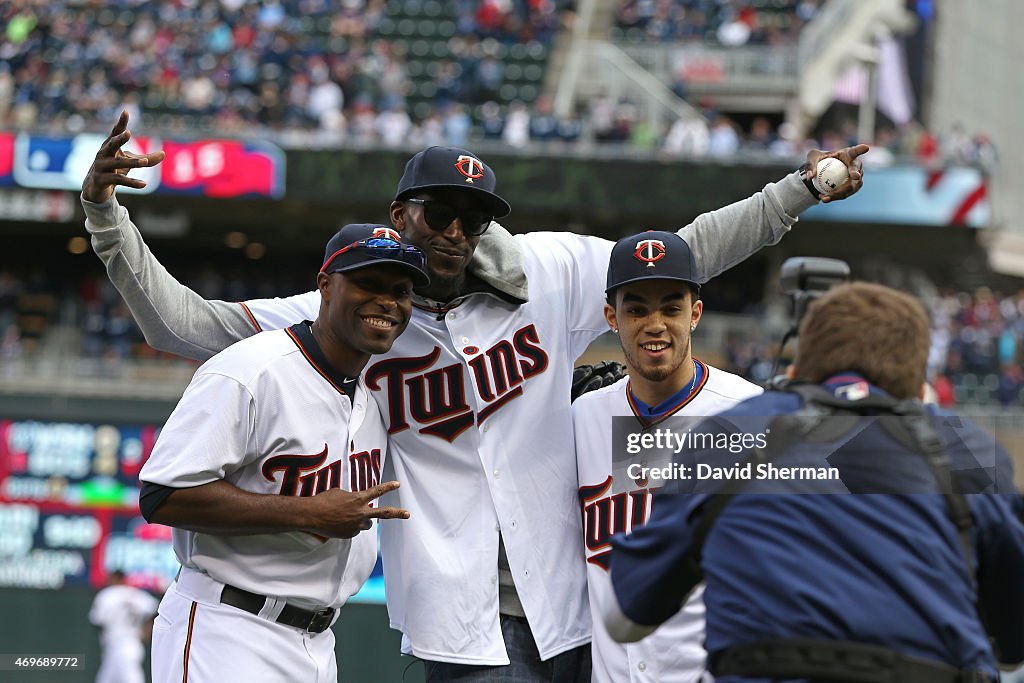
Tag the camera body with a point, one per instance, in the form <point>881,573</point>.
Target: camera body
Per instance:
<point>805,278</point>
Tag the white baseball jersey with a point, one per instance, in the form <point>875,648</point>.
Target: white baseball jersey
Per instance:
<point>476,455</point>
<point>477,403</point>
<point>268,415</point>
<point>613,502</point>
<point>120,611</point>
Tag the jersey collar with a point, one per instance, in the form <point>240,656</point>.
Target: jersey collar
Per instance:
<point>302,335</point>
<point>652,415</point>
<point>472,285</point>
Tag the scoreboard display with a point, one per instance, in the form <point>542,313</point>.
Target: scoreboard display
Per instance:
<point>69,509</point>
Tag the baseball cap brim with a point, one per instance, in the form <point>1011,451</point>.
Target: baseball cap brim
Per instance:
<point>490,202</point>
<point>651,277</point>
<point>419,277</point>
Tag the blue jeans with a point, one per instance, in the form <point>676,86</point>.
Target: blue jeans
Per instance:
<point>569,667</point>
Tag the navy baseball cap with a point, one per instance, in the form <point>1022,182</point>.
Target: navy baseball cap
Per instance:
<point>651,255</point>
<point>452,167</point>
<point>362,245</point>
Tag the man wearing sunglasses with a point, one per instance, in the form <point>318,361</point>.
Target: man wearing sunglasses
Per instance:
<point>269,468</point>
<point>489,570</point>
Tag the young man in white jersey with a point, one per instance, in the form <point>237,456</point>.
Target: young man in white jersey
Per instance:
<point>476,395</point>
<point>268,469</point>
<point>653,306</point>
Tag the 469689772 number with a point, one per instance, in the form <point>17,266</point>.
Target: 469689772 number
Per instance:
<point>39,662</point>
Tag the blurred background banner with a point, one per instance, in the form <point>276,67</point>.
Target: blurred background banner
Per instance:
<point>210,168</point>
<point>6,159</point>
<point>223,168</point>
<point>914,195</point>
<point>59,163</point>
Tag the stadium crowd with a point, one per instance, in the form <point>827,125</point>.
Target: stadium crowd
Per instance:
<point>241,66</point>
<point>722,22</point>
<point>323,72</point>
<point>977,353</point>
<point>978,345</point>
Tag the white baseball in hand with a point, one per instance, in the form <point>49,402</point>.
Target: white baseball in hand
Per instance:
<point>830,174</point>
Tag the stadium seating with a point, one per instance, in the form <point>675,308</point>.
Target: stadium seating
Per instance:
<point>285,64</point>
<point>748,22</point>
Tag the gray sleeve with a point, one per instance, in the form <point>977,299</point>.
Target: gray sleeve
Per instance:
<point>720,239</point>
<point>172,317</point>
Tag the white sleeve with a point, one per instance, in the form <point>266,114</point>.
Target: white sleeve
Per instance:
<point>210,434</point>
<point>277,314</point>
<point>577,267</point>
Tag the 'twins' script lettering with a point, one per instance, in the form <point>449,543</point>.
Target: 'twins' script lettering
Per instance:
<point>436,397</point>
<point>605,515</point>
<point>306,475</point>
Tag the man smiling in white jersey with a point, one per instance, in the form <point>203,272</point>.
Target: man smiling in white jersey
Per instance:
<point>653,306</point>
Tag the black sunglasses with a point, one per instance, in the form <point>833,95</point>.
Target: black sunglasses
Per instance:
<point>382,247</point>
<point>440,215</point>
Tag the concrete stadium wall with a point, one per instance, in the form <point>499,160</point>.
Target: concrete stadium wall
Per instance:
<point>976,81</point>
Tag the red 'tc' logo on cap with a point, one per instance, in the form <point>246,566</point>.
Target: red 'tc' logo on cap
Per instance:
<point>650,251</point>
<point>387,233</point>
<point>471,167</point>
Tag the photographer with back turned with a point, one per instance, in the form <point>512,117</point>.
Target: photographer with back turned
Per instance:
<point>919,583</point>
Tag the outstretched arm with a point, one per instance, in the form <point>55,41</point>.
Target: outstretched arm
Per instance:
<point>222,508</point>
<point>720,239</point>
<point>173,317</point>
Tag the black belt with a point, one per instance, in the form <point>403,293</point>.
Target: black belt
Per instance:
<point>312,621</point>
<point>837,661</point>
